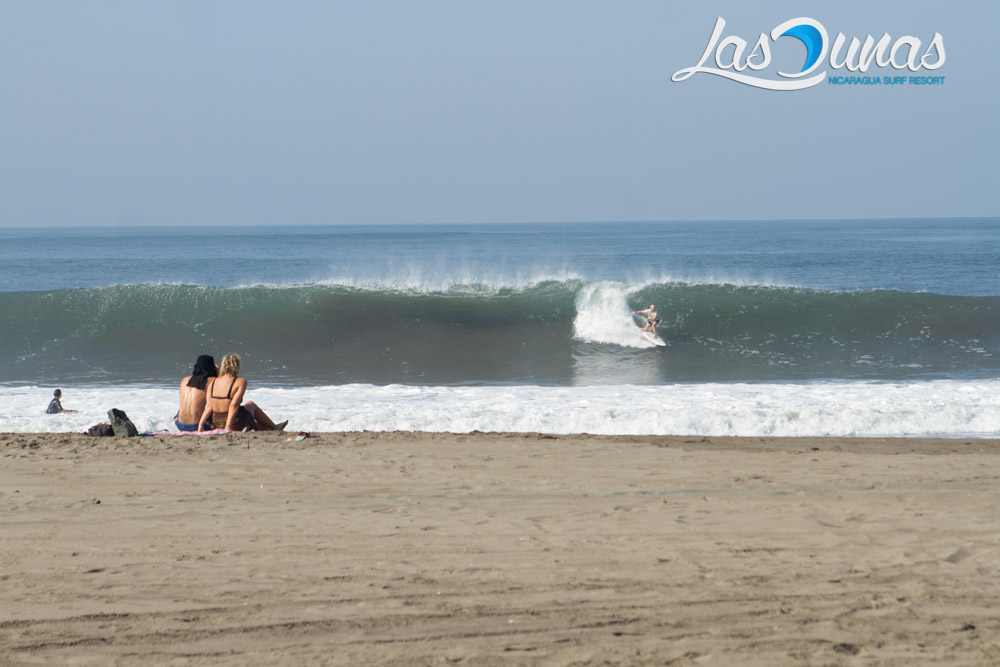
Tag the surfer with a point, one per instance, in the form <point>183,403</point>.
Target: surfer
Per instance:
<point>652,319</point>
<point>55,406</point>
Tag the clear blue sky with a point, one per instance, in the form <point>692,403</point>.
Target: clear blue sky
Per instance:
<point>330,112</point>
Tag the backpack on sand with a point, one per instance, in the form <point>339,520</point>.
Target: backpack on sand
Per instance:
<point>121,424</point>
<point>100,430</point>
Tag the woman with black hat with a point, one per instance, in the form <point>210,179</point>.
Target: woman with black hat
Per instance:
<point>193,396</point>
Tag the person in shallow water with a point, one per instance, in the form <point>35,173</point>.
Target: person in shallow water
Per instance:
<point>652,319</point>
<point>223,409</point>
<point>55,405</point>
<point>193,395</point>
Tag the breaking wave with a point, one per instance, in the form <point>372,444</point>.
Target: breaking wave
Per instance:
<point>556,332</point>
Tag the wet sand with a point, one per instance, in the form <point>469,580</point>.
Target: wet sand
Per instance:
<point>440,549</point>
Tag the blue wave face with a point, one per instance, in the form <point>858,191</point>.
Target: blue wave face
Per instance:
<point>553,333</point>
<point>812,39</point>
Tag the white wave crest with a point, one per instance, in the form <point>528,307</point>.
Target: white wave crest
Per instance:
<point>421,280</point>
<point>603,316</point>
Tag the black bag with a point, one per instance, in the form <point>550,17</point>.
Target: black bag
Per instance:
<point>121,424</point>
<point>101,430</point>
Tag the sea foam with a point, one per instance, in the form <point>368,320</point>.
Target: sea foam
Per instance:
<point>947,408</point>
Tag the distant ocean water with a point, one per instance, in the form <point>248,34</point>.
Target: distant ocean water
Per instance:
<point>432,327</point>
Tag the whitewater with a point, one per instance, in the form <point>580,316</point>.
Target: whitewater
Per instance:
<point>943,408</point>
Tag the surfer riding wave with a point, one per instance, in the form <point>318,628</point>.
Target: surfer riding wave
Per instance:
<point>652,318</point>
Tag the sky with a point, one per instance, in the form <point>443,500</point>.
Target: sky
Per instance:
<point>237,112</point>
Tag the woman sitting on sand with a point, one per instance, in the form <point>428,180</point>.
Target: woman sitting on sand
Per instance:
<point>223,409</point>
<point>193,395</point>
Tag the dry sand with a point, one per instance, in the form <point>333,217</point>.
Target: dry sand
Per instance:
<point>415,548</point>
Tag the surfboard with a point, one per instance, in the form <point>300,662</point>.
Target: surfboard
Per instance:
<point>655,340</point>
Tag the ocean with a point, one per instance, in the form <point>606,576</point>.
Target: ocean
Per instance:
<point>870,327</point>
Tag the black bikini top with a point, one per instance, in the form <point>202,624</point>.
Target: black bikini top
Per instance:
<point>229,394</point>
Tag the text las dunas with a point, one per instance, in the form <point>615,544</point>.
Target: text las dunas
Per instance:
<point>732,60</point>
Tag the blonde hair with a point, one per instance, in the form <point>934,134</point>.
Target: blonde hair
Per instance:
<point>230,365</point>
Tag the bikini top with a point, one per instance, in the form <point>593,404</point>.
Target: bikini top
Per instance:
<point>229,394</point>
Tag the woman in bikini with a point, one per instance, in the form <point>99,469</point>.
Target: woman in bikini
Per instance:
<point>223,409</point>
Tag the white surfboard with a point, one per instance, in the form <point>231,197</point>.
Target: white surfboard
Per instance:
<point>655,340</point>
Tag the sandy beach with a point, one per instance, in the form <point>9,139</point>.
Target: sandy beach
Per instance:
<point>437,549</point>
